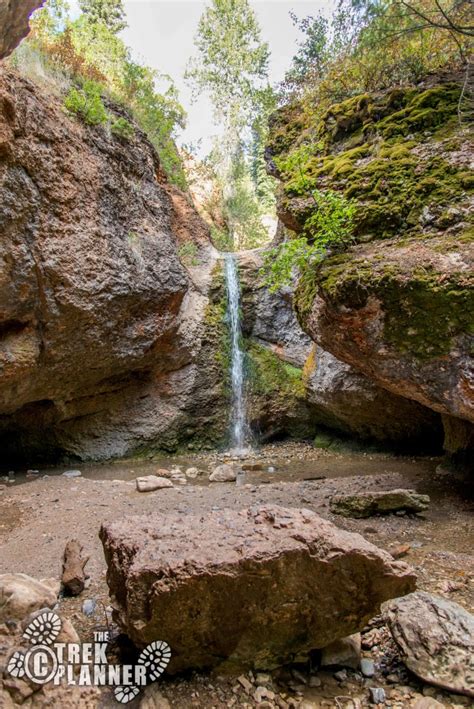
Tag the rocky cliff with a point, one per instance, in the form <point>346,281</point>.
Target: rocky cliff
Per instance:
<point>297,387</point>
<point>103,319</point>
<point>398,305</point>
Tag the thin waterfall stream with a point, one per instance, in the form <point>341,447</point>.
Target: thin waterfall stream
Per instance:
<point>239,425</point>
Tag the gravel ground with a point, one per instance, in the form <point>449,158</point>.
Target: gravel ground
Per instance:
<point>38,517</point>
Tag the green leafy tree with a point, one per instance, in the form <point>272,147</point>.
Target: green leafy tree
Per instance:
<point>111,13</point>
<point>231,66</point>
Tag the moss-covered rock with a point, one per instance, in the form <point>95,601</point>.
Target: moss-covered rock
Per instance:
<point>399,309</point>
<point>394,153</point>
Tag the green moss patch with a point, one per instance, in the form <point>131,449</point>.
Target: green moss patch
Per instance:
<point>269,375</point>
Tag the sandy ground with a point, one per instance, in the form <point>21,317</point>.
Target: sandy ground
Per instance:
<point>38,517</point>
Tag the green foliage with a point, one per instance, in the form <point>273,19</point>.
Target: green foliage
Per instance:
<point>328,229</point>
<point>88,48</point>
<point>232,60</point>
<point>372,44</point>
<point>111,13</point>
<point>122,129</point>
<point>221,238</point>
<point>232,67</point>
<point>87,103</point>
<point>242,209</point>
<point>188,253</point>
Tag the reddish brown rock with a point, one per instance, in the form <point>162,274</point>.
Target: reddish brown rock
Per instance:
<point>251,588</point>
<point>101,325</point>
<point>435,638</point>
<point>14,25</point>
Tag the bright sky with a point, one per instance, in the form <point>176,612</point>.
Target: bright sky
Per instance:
<point>161,34</point>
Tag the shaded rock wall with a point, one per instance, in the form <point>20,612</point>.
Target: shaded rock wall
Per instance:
<point>399,305</point>
<point>101,326</point>
<point>296,386</point>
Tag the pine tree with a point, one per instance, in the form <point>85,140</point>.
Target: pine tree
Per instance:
<point>109,12</point>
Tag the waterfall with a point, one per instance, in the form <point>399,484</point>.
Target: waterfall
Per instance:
<point>239,426</point>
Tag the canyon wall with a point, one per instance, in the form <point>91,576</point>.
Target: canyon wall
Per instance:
<point>102,324</point>
<point>297,388</point>
<point>398,304</point>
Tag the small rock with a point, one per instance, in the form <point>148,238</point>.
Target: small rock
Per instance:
<point>89,606</point>
<point>263,678</point>
<point>192,473</point>
<point>149,483</point>
<point>299,676</point>
<point>400,551</point>
<point>72,474</point>
<point>428,703</point>
<point>152,698</point>
<point>344,652</point>
<point>366,504</point>
<point>314,681</point>
<point>21,594</point>
<point>367,667</point>
<point>262,693</point>
<point>377,695</point>
<point>341,676</point>
<point>223,473</point>
<point>245,683</point>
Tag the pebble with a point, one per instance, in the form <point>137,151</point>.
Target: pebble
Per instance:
<point>315,681</point>
<point>245,683</point>
<point>341,676</point>
<point>377,695</point>
<point>89,606</point>
<point>263,678</point>
<point>367,667</point>
<point>72,474</point>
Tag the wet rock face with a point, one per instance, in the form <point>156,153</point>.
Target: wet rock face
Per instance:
<point>300,385</point>
<point>14,16</point>
<point>258,588</point>
<point>100,323</point>
<point>435,638</point>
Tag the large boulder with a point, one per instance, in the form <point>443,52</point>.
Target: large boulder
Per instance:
<point>251,588</point>
<point>435,638</point>
<point>103,329</point>
<point>397,304</point>
<point>14,25</point>
<point>296,385</point>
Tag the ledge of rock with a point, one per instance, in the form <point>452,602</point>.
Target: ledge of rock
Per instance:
<point>14,22</point>
<point>239,589</point>
<point>397,304</point>
<point>297,385</point>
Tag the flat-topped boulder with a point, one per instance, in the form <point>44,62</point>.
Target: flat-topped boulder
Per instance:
<point>237,589</point>
<point>366,504</point>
